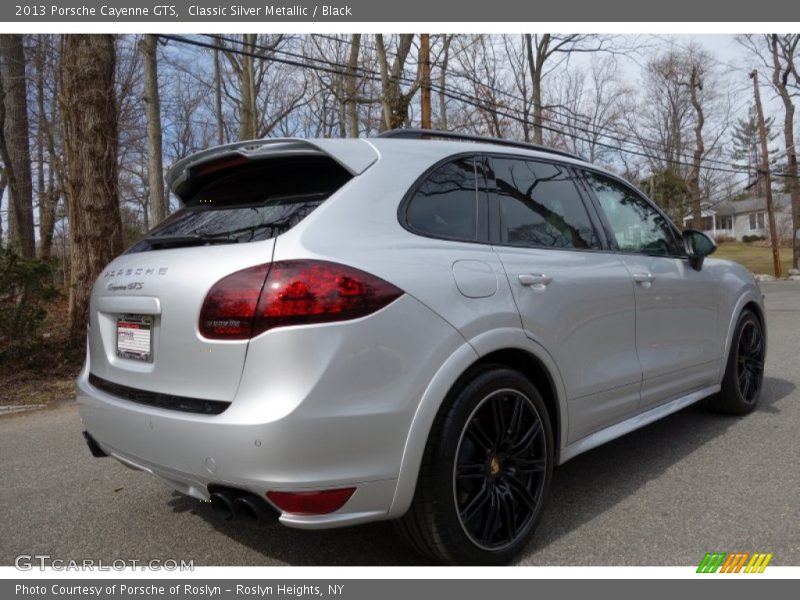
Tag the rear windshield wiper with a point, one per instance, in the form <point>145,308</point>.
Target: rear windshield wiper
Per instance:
<point>195,239</point>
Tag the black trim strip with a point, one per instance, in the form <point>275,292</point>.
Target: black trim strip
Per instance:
<point>167,401</point>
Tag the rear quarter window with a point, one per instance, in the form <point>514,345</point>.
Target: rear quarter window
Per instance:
<point>445,204</point>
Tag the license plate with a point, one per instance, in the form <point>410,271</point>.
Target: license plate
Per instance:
<point>135,337</point>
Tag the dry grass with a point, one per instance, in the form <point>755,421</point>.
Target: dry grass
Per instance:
<point>756,256</point>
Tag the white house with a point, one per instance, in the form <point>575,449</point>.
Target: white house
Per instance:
<point>748,216</point>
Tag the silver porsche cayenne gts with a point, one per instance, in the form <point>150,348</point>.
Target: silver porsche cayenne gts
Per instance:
<point>416,327</point>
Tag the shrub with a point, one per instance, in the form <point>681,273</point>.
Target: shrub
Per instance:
<point>753,238</point>
<point>24,287</point>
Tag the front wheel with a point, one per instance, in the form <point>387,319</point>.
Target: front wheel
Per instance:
<point>485,473</point>
<point>744,372</point>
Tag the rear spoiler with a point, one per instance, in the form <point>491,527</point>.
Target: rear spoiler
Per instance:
<point>355,155</point>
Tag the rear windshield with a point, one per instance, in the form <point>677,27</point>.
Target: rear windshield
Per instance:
<point>250,203</point>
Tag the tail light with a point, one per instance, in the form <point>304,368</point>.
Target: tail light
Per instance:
<point>293,292</point>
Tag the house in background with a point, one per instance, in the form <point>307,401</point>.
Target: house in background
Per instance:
<point>748,216</point>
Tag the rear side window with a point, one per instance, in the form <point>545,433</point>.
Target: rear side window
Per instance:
<point>249,203</point>
<point>539,206</point>
<point>446,204</point>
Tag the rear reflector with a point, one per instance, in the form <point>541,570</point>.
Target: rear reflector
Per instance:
<point>292,292</point>
<point>322,502</point>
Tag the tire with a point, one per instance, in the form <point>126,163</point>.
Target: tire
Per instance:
<point>496,428</point>
<point>744,372</point>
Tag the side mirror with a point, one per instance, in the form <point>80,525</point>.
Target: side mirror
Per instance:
<point>698,245</point>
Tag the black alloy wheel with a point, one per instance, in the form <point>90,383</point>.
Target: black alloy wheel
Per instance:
<point>499,474</point>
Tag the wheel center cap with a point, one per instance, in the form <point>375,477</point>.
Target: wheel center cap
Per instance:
<point>494,466</point>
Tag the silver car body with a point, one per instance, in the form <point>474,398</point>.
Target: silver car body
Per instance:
<point>352,403</point>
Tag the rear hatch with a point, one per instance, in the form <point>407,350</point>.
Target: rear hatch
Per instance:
<point>145,307</point>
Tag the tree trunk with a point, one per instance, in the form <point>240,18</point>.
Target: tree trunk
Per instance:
<point>152,103</point>
<point>535,61</point>
<point>696,84</point>
<point>45,191</point>
<point>780,81</point>
<point>89,115</point>
<point>16,145</point>
<point>3,182</point>
<point>443,82</point>
<point>247,112</point>
<point>394,101</point>
<point>351,94</point>
<point>425,79</point>
<point>218,98</point>
<point>762,132</point>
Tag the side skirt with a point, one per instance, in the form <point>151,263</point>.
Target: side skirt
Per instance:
<point>635,422</point>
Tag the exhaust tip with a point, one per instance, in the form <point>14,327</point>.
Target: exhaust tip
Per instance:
<point>247,508</point>
<point>222,505</point>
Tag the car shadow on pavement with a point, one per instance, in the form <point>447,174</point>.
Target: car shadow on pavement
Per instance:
<point>582,489</point>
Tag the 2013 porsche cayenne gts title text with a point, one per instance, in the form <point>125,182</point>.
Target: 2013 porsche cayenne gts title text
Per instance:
<point>417,327</point>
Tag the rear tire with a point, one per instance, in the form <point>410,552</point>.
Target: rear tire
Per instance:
<point>744,372</point>
<point>485,473</point>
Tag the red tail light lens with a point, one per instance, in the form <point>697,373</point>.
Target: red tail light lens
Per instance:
<point>230,306</point>
<point>296,292</point>
<point>311,503</point>
<point>300,292</point>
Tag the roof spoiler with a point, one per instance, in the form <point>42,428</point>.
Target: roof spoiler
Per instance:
<point>355,155</point>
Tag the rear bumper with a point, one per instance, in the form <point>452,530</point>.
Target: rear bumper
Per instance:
<point>188,455</point>
<point>333,413</point>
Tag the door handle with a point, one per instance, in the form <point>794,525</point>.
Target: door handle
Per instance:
<point>644,278</point>
<point>537,279</point>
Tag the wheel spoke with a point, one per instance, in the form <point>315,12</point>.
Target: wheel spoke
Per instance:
<point>746,390</point>
<point>476,504</point>
<point>470,471</point>
<point>498,420</point>
<point>526,439</point>
<point>516,419</point>
<point>507,512</point>
<point>530,465</point>
<point>521,493</point>
<point>742,375</point>
<point>479,436</point>
<point>490,523</point>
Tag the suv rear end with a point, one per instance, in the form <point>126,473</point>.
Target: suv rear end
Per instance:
<point>242,350</point>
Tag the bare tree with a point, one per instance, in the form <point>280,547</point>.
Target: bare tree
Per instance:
<point>779,55</point>
<point>784,49</point>
<point>351,88</point>
<point>695,85</point>
<point>152,103</point>
<point>395,101</point>
<point>592,105</point>
<point>443,66</point>
<point>15,144</point>
<point>89,113</point>
<point>547,52</point>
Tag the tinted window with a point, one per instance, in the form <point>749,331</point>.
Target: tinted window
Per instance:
<point>637,226</point>
<point>539,206</point>
<point>251,203</point>
<point>445,205</point>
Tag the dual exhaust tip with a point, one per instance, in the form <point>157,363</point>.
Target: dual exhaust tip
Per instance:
<point>232,504</point>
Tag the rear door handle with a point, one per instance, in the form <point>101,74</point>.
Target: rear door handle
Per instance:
<point>538,279</point>
<point>644,278</point>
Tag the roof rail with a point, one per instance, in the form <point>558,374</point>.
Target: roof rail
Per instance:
<point>412,133</point>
